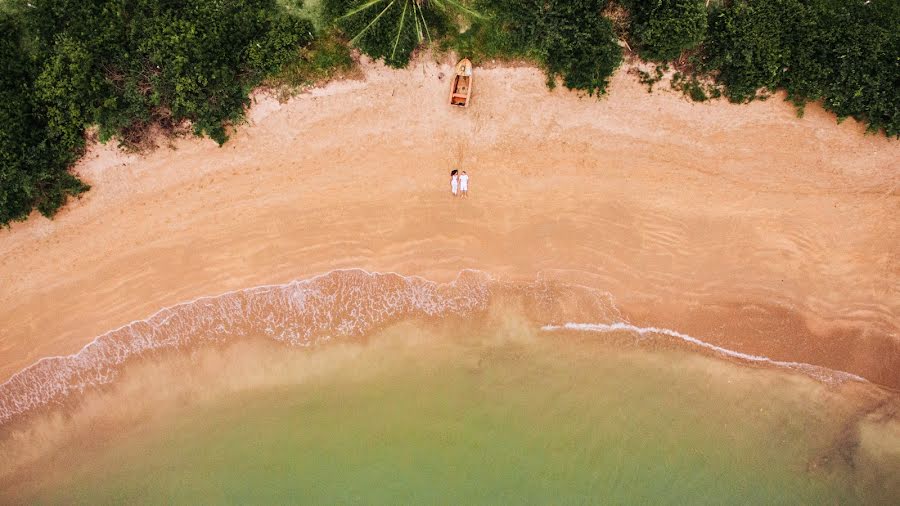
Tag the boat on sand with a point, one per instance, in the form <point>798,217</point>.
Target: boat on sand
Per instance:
<point>461,86</point>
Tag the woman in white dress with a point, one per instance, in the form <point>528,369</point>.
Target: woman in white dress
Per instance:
<point>454,182</point>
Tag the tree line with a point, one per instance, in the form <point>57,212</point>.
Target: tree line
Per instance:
<point>129,66</point>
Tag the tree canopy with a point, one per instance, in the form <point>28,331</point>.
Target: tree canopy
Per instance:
<point>123,65</point>
<point>663,29</point>
<point>392,29</point>
<point>843,52</point>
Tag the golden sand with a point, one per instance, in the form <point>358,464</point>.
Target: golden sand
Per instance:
<point>741,225</point>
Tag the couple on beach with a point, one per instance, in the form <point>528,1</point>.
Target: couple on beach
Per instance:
<point>459,183</point>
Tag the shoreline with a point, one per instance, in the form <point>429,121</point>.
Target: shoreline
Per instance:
<point>152,393</point>
<point>305,314</point>
<point>670,206</point>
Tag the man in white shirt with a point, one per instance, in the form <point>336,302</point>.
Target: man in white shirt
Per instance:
<point>464,184</point>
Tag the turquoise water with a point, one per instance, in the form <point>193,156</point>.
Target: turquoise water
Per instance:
<point>424,415</point>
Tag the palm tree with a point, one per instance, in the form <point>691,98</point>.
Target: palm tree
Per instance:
<point>411,18</point>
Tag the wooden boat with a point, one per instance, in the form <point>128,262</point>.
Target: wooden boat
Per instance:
<point>461,86</point>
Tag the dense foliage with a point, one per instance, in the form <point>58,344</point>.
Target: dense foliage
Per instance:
<point>327,57</point>
<point>570,38</point>
<point>34,154</point>
<point>392,29</point>
<point>663,29</point>
<point>124,65</point>
<point>843,52</point>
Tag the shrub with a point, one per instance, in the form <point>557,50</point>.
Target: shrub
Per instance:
<point>569,37</point>
<point>663,29</point>
<point>33,161</point>
<point>486,39</point>
<point>843,52</point>
<point>326,57</point>
<point>124,66</point>
<point>746,45</point>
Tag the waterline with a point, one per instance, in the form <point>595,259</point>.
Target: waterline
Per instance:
<point>821,373</point>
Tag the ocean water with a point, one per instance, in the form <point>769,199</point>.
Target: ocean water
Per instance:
<point>468,402</point>
<point>454,414</point>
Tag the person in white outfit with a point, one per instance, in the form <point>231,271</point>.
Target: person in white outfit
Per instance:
<point>454,182</point>
<point>464,184</point>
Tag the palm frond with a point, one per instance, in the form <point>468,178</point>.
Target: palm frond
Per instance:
<point>364,30</point>
<point>424,23</point>
<point>419,36</point>
<point>460,7</point>
<point>361,8</point>
<point>375,39</point>
<point>399,29</point>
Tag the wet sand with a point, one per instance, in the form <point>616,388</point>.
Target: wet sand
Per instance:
<point>741,225</point>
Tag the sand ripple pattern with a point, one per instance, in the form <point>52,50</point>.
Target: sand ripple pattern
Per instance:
<point>301,313</point>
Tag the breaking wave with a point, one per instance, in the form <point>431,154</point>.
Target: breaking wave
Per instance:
<point>818,372</point>
<point>338,304</point>
<point>301,313</point>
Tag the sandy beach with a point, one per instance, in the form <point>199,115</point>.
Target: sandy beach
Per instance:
<point>741,225</point>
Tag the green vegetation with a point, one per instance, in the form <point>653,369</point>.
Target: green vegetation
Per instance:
<point>569,38</point>
<point>843,52</point>
<point>663,29</point>
<point>489,38</point>
<point>35,152</point>
<point>125,66</point>
<point>325,58</point>
<point>694,88</point>
<point>131,67</point>
<point>648,79</point>
<point>392,29</point>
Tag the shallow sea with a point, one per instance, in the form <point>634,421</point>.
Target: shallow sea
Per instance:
<point>452,413</point>
<point>356,387</point>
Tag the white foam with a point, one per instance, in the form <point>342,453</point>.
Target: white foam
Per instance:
<point>818,372</point>
<point>302,313</point>
<point>340,303</point>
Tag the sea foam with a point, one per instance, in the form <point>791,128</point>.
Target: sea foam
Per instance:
<point>821,373</point>
<point>342,303</point>
<point>338,304</point>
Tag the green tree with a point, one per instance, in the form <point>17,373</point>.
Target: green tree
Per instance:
<point>663,29</point>
<point>747,47</point>
<point>124,65</point>
<point>570,38</point>
<point>33,169</point>
<point>842,52</point>
<point>392,29</point>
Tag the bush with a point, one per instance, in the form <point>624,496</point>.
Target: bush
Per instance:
<point>569,37</point>
<point>486,39</point>
<point>35,149</point>
<point>843,52</point>
<point>846,54</point>
<point>746,45</point>
<point>325,58</point>
<point>124,66</point>
<point>663,29</point>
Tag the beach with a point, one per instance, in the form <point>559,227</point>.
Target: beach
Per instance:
<point>665,283</point>
<point>741,225</point>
